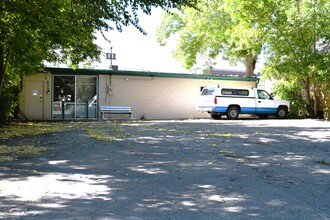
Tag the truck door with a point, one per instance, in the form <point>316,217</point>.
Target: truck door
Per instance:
<point>265,103</point>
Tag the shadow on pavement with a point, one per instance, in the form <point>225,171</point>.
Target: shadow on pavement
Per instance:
<point>192,169</point>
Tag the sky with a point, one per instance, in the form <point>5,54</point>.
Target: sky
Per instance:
<point>135,51</point>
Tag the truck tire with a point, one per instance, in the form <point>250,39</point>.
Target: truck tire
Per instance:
<point>215,116</point>
<point>232,112</point>
<point>281,113</point>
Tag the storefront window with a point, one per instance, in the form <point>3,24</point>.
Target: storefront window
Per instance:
<point>75,97</point>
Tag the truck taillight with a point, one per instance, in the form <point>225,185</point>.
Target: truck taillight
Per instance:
<point>215,100</point>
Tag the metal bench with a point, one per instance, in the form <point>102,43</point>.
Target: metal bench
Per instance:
<point>115,110</point>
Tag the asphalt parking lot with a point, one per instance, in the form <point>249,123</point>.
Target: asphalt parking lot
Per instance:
<point>188,169</point>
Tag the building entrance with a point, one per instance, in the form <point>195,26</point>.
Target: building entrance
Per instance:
<point>34,93</point>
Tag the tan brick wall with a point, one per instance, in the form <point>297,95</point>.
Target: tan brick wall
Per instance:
<point>158,98</point>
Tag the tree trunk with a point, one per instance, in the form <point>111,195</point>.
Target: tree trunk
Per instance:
<point>2,68</point>
<point>250,64</point>
<point>315,100</point>
<point>308,98</point>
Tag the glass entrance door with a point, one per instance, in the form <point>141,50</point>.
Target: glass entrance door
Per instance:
<point>74,97</point>
<point>86,97</point>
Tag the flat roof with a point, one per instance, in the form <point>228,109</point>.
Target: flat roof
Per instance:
<point>69,71</point>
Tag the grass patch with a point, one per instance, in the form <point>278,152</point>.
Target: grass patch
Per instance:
<point>103,135</point>
<point>110,127</point>
<point>173,130</point>
<point>228,154</point>
<point>31,128</point>
<point>106,132</point>
<point>8,153</point>
<point>220,135</point>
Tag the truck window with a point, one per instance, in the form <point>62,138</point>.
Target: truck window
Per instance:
<point>208,91</point>
<point>240,92</point>
<point>262,94</point>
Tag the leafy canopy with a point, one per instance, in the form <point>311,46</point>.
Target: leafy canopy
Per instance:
<point>298,51</point>
<point>62,30</point>
<point>215,28</point>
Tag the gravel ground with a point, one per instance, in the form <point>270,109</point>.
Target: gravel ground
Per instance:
<point>190,169</point>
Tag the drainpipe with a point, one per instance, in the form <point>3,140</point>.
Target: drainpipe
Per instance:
<point>63,110</point>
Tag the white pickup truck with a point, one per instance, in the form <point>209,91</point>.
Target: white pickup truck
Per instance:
<point>218,101</point>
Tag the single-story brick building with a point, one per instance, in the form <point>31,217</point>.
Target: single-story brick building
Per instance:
<point>62,93</point>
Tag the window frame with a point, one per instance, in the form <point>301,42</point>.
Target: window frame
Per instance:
<point>235,92</point>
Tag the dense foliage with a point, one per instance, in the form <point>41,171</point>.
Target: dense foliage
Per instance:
<point>298,52</point>
<point>34,31</point>
<point>214,28</point>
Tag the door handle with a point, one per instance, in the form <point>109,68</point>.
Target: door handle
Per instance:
<point>259,101</point>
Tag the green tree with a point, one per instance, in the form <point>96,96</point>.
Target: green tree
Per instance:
<point>226,27</point>
<point>35,31</point>
<point>296,41</point>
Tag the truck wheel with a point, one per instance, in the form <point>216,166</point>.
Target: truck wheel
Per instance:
<point>281,113</point>
<point>232,112</point>
<point>215,116</point>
